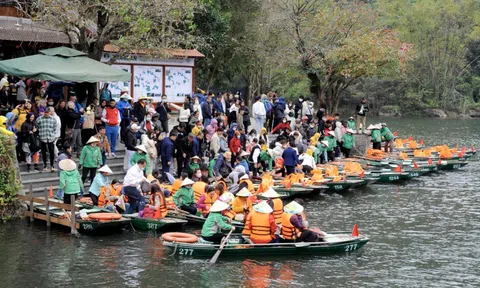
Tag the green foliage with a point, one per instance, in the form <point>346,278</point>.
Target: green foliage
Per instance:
<point>9,182</point>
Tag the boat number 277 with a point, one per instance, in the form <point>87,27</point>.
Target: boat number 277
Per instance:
<point>185,252</point>
<point>350,247</point>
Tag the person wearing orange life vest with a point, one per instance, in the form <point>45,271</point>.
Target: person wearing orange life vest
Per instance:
<point>110,194</point>
<point>245,182</point>
<point>158,202</point>
<point>242,205</point>
<point>276,203</point>
<point>260,224</point>
<point>206,201</point>
<point>199,188</point>
<point>112,118</point>
<point>178,183</point>
<point>293,229</point>
<point>228,197</point>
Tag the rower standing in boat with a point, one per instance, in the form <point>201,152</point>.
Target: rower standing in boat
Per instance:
<point>332,144</point>
<point>376,136</point>
<point>348,142</point>
<point>387,137</point>
<point>184,197</point>
<point>211,230</point>
<point>260,225</point>
<point>293,229</point>
<point>99,182</point>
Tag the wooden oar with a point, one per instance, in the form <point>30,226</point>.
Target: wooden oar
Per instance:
<point>217,254</point>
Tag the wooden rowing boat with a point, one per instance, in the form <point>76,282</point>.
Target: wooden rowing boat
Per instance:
<point>149,224</point>
<point>198,220</point>
<point>292,192</point>
<point>340,242</point>
<point>451,164</point>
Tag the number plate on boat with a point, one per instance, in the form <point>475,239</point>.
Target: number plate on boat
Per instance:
<point>338,187</point>
<point>152,226</point>
<point>393,178</point>
<point>185,252</point>
<point>87,226</point>
<point>350,247</point>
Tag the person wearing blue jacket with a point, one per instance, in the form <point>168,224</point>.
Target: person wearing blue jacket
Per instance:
<point>290,159</point>
<point>279,111</point>
<point>167,153</point>
<point>125,110</point>
<point>197,143</point>
<point>223,160</point>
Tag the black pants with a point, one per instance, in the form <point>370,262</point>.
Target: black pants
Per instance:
<point>215,238</point>
<point>44,146</point>
<point>377,145</point>
<point>307,169</point>
<point>135,199</point>
<point>346,152</point>
<point>165,126</point>
<point>182,164</point>
<point>308,236</point>
<point>94,199</point>
<point>290,169</point>
<point>123,128</point>
<point>85,172</point>
<point>331,155</point>
<point>66,198</point>
<point>192,209</point>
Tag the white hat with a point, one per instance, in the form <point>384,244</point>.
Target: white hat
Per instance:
<point>244,177</point>
<point>105,169</point>
<point>293,208</point>
<point>227,197</point>
<point>263,207</point>
<point>351,117</point>
<point>187,182</point>
<point>383,124</point>
<point>143,97</point>
<point>125,89</point>
<point>67,165</point>
<point>195,157</point>
<point>378,126</point>
<point>331,133</point>
<point>244,193</point>
<point>134,126</point>
<point>244,153</point>
<point>141,148</point>
<point>239,169</point>
<point>349,130</point>
<point>227,155</point>
<point>218,206</point>
<point>324,143</point>
<point>270,193</point>
<point>126,96</point>
<point>92,140</point>
<point>371,127</point>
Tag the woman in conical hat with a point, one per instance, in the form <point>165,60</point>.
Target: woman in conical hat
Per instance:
<point>90,159</point>
<point>293,225</point>
<point>99,184</point>
<point>212,228</point>
<point>242,204</point>
<point>70,180</point>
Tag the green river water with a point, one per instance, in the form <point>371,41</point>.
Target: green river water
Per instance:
<point>424,233</point>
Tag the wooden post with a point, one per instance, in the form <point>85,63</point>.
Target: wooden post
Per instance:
<point>47,206</point>
<point>30,195</point>
<point>72,215</point>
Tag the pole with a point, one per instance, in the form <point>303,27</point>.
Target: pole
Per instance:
<point>72,215</point>
<point>47,206</point>
<point>30,195</point>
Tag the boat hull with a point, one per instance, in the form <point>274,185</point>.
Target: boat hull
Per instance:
<point>166,224</point>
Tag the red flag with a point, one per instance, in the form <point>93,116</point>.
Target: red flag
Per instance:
<point>422,142</point>
<point>464,149</point>
<point>415,165</point>
<point>395,133</point>
<point>430,162</point>
<point>410,138</point>
<point>362,175</point>
<point>473,148</point>
<point>398,169</point>
<point>303,183</point>
<point>439,162</point>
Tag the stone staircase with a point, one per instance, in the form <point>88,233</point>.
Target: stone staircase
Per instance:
<point>41,180</point>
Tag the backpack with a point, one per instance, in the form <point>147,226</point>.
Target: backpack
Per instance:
<point>268,106</point>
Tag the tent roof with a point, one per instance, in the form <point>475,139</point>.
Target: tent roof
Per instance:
<point>63,64</point>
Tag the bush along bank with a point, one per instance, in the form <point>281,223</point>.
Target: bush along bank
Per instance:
<point>10,205</point>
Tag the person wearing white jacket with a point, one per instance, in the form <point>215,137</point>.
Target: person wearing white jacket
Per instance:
<point>259,113</point>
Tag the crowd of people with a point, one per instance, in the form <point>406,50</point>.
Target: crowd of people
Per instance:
<point>211,155</point>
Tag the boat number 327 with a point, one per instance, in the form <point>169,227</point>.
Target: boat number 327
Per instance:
<point>185,252</point>
<point>350,247</point>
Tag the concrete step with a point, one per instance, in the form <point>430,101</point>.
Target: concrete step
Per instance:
<point>110,161</point>
<point>32,176</point>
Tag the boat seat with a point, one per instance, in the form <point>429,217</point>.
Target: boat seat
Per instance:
<point>203,241</point>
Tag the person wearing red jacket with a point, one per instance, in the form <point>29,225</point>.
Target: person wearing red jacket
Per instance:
<point>282,126</point>
<point>235,146</point>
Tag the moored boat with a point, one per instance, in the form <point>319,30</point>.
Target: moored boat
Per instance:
<point>149,224</point>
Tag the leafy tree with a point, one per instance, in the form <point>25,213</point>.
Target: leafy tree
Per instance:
<point>131,25</point>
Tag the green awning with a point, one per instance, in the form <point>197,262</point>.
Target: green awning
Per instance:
<point>63,64</point>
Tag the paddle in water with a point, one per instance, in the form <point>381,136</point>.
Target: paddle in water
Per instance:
<point>215,257</point>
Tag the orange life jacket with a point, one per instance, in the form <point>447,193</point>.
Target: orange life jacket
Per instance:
<point>208,202</point>
<point>101,198</point>
<point>289,232</point>
<point>112,116</point>
<point>249,185</point>
<point>176,185</point>
<point>246,229</point>
<point>229,213</point>
<point>199,189</point>
<point>277,210</point>
<point>261,231</point>
<point>162,210</point>
<point>221,181</point>
<point>170,203</point>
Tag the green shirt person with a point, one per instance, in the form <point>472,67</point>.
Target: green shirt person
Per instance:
<point>215,223</point>
<point>141,153</point>
<point>385,133</point>
<point>184,198</point>
<point>332,142</point>
<point>348,140</point>
<point>91,156</point>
